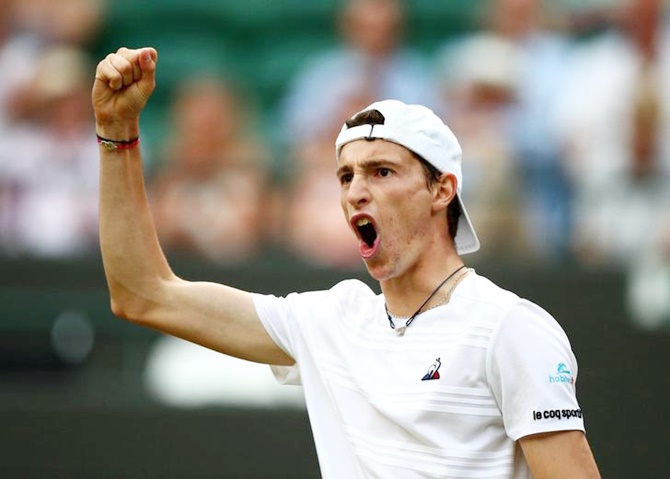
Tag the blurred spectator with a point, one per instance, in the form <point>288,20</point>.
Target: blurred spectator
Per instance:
<point>532,70</point>
<point>69,22</point>
<point>17,61</point>
<point>480,90</point>
<point>27,27</point>
<point>41,24</point>
<point>371,56</point>
<point>210,197</point>
<point>48,172</point>
<point>48,175</point>
<point>613,121</point>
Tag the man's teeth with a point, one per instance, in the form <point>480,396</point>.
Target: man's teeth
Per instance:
<point>362,222</point>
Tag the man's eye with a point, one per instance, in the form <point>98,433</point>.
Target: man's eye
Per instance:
<point>345,179</point>
<point>384,172</point>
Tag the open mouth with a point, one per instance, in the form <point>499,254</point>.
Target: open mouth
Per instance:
<point>368,235</point>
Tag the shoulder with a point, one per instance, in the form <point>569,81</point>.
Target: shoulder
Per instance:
<point>506,310</point>
<point>353,287</point>
<point>481,291</point>
<point>346,294</point>
<point>345,290</point>
<point>346,298</point>
<point>519,327</point>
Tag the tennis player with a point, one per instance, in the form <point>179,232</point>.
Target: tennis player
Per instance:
<point>443,374</point>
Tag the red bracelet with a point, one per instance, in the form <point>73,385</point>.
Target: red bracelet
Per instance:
<point>112,145</point>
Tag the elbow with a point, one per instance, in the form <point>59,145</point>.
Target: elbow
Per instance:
<point>143,306</point>
<point>137,306</point>
<point>118,309</point>
<point>128,309</point>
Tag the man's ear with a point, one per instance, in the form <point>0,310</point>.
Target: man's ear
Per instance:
<point>444,191</point>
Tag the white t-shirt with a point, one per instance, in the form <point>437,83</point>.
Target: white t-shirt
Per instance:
<point>448,399</point>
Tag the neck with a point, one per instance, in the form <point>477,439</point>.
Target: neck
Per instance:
<point>406,292</point>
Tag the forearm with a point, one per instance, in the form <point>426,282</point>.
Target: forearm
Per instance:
<point>134,262</point>
<point>556,455</point>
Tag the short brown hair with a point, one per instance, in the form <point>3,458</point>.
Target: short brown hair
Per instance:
<point>375,117</point>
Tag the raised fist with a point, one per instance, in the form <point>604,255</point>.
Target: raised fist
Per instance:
<point>124,81</point>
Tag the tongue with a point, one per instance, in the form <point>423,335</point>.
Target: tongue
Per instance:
<point>366,250</point>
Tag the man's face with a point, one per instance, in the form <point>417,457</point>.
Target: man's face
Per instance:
<point>387,202</point>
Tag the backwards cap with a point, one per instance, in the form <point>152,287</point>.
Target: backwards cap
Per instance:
<point>421,131</point>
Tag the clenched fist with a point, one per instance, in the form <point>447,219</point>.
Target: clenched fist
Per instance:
<point>124,81</point>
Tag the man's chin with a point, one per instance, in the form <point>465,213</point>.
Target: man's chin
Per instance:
<point>377,269</point>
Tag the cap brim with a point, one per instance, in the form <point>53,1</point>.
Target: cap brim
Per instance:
<point>466,238</point>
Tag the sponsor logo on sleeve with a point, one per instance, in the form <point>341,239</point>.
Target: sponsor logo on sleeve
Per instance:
<point>562,375</point>
<point>557,414</point>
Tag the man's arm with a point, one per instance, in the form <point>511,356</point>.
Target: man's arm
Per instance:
<point>142,286</point>
<point>559,455</point>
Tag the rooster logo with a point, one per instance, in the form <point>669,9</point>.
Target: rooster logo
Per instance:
<point>433,371</point>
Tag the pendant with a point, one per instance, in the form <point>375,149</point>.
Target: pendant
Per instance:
<point>401,330</point>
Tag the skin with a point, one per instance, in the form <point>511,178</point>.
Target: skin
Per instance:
<point>380,180</point>
<point>384,182</point>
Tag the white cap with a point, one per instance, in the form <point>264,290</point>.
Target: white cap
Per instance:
<point>421,131</point>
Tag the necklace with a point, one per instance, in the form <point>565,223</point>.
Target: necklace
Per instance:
<point>447,295</point>
<point>410,319</point>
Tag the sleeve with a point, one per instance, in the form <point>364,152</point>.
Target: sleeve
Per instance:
<point>532,372</point>
<point>279,321</point>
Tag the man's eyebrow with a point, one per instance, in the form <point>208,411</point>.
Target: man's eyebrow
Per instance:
<point>377,163</point>
<point>343,169</point>
<point>366,164</point>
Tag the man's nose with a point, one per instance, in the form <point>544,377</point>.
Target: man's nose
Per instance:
<point>358,193</point>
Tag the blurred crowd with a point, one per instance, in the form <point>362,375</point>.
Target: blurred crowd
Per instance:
<point>560,108</point>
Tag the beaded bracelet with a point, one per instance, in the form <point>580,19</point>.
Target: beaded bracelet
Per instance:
<point>111,145</point>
